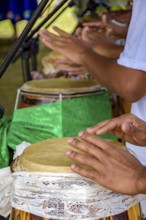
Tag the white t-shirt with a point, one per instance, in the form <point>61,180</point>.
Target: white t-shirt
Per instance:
<point>134,56</point>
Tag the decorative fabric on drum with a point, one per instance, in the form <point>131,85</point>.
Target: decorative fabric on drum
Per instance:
<point>4,151</point>
<point>59,119</point>
<point>67,197</point>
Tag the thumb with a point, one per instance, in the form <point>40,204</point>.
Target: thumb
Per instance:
<point>129,128</point>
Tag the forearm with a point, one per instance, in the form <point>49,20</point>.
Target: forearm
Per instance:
<point>101,69</point>
<point>116,78</point>
<point>110,51</point>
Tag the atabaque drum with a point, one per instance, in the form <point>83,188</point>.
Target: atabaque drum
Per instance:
<point>53,108</point>
<point>44,187</point>
<point>44,91</point>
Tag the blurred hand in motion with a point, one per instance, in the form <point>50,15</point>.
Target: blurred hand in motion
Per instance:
<point>70,67</point>
<point>69,46</point>
<point>99,24</point>
<point>101,44</point>
<point>110,27</point>
<point>126,127</point>
<point>109,165</point>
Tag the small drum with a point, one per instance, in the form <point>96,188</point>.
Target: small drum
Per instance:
<point>44,187</point>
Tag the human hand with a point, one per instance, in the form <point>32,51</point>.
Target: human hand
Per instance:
<point>70,67</point>
<point>126,127</point>
<point>99,42</point>
<point>109,26</point>
<point>107,164</point>
<point>99,24</point>
<point>69,46</point>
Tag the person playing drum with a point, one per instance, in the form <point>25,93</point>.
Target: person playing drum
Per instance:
<point>125,76</point>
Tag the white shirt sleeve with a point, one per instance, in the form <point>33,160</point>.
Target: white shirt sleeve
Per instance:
<point>134,54</point>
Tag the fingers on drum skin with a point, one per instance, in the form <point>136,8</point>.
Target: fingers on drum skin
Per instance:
<point>86,160</point>
<point>88,148</point>
<point>100,143</point>
<point>84,172</point>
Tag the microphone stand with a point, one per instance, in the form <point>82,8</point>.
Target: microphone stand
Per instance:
<point>26,46</point>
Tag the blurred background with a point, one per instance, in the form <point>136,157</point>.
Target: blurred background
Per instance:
<point>12,78</point>
<point>83,10</point>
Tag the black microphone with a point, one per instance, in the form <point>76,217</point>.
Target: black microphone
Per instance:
<point>2,111</point>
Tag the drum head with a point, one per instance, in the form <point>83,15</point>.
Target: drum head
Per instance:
<point>47,156</point>
<point>63,86</point>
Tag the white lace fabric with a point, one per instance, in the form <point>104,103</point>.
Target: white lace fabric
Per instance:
<point>5,191</point>
<point>66,196</point>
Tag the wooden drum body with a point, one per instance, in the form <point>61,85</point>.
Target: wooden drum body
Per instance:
<point>44,187</point>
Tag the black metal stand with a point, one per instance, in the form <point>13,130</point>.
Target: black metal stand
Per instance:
<point>22,37</point>
<point>2,111</point>
<point>29,54</point>
<point>30,47</point>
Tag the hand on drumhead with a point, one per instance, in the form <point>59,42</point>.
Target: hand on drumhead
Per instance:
<point>69,46</point>
<point>126,127</point>
<point>107,164</point>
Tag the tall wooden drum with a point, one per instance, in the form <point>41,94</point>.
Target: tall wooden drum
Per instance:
<point>44,187</point>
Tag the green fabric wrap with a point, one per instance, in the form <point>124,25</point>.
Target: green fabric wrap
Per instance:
<point>59,119</point>
<point>4,151</point>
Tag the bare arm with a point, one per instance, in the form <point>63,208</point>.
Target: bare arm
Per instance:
<point>126,82</point>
